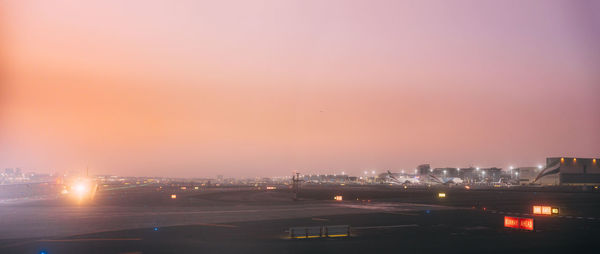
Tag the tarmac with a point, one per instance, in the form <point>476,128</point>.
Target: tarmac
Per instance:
<point>245,220</point>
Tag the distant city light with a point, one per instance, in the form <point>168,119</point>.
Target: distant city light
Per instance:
<point>477,169</point>
<point>539,166</point>
<point>373,172</point>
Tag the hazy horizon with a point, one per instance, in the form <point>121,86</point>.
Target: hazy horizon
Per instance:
<point>245,88</point>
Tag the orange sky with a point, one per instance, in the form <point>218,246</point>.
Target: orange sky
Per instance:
<point>245,88</point>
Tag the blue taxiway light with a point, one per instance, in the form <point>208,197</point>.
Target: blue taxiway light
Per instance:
<point>155,228</point>
<point>427,211</point>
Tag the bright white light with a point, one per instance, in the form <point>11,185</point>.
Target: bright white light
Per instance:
<point>366,172</point>
<point>511,167</point>
<point>539,166</point>
<point>444,171</point>
<point>477,169</point>
<point>80,188</point>
<point>458,169</point>
<point>373,172</point>
<point>343,173</point>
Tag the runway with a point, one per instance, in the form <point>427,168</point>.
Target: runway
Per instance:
<point>37,221</point>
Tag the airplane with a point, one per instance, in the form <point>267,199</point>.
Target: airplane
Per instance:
<point>449,180</point>
<point>401,179</point>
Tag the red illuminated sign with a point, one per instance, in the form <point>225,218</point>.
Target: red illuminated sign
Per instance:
<point>511,222</point>
<point>526,223</point>
<point>520,223</point>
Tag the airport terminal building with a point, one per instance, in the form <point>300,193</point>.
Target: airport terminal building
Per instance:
<point>569,171</point>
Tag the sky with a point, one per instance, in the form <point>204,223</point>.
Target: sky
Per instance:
<point>265,88</point>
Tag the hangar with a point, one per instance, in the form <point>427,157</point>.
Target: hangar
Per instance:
<point>569,171</point>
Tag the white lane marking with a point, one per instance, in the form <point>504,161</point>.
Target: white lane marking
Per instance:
<point>90,239</point>
<point>558,216</point>
<point>392,226</point>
